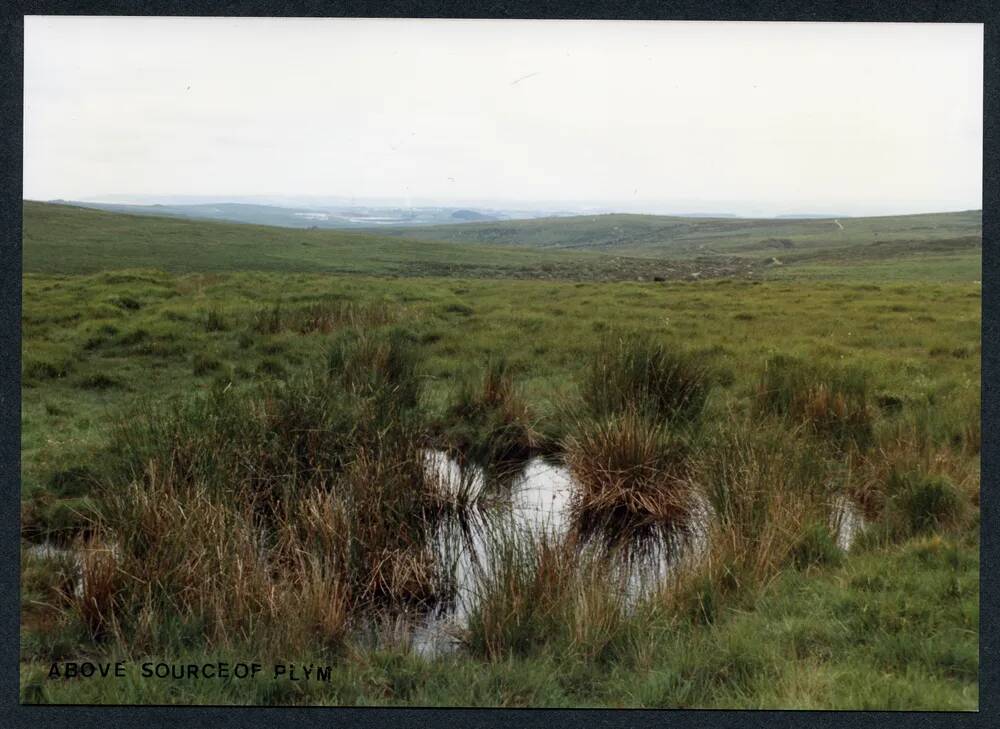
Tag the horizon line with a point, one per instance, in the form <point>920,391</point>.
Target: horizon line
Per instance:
<point>603,209</point>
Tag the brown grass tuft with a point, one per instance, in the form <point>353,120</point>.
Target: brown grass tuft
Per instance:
<point>95,598</point>
<point>631,473</point>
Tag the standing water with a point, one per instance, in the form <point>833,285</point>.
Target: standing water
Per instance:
<point>531,504</point>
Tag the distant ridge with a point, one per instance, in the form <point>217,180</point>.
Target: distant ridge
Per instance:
<point>470,215</point>
<point>809,216</point>
<point>706,215</point>
<point>690,236</point>
<point>337,217</point>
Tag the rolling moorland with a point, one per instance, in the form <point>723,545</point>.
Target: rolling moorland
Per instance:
<point>676,237</point>
<point>201,395</point>
<point>313,215</point>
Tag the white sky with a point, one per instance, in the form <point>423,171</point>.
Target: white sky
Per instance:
<point>747,118</point>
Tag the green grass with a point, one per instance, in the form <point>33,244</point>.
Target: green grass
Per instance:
<point>893,629</point>
<point>918,267</point>
<point>192,310</point>
<point>489,421</point>
<point>76,336</point>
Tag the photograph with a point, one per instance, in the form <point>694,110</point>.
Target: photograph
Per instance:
<point>500,363</point>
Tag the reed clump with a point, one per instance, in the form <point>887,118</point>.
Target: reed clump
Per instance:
<point>908,485</point>
<point>631,441</point>
<point>490,422</point>
<point>542,592</point>
<point>95,597</point>
<point>633,373</point>
<point>902,457</point>
<point>379,367</point>
<point>631,474</point>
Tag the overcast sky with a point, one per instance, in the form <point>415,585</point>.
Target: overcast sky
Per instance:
<point>747,118</point>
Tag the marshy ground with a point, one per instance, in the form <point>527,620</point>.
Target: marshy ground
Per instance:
<point>239,464</point>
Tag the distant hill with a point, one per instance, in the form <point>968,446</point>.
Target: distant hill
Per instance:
<point>809,216</point>
<point>335,217</point>
<point>683,237</point>
<point>470,215</point>
<point>65,239</point>
<point>235,212</point>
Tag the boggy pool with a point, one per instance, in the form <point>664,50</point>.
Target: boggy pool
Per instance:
<point>533,503</point>
<point>524,506</point>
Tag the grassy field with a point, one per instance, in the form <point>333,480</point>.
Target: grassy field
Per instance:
<point>242,369</point>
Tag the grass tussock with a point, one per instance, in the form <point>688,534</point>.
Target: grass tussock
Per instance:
<point>545,593</point>
<point>277,513</point>
<point>323,317</point>
<point>631,474</point>
<point>490,422</point>
<point>909,486</point>
<point>380,369</point>
<point>95,598</point>
<point>769,495</point>
<point>632,373</point>
<point>832,402</point>
<point>629,445</point>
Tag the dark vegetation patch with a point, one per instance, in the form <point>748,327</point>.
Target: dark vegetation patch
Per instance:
<point>128,303</point>
<point>46,369</point>
<point>203,365</point>
<point>97,381</point>
<point>460,309</point>
<point>215,321</point>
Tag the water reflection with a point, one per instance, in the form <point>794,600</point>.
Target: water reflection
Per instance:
<point>534,503</point>
<point>530,504</point>
<point>847,521</point>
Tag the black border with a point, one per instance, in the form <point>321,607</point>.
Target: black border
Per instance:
<point>11,97</point>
